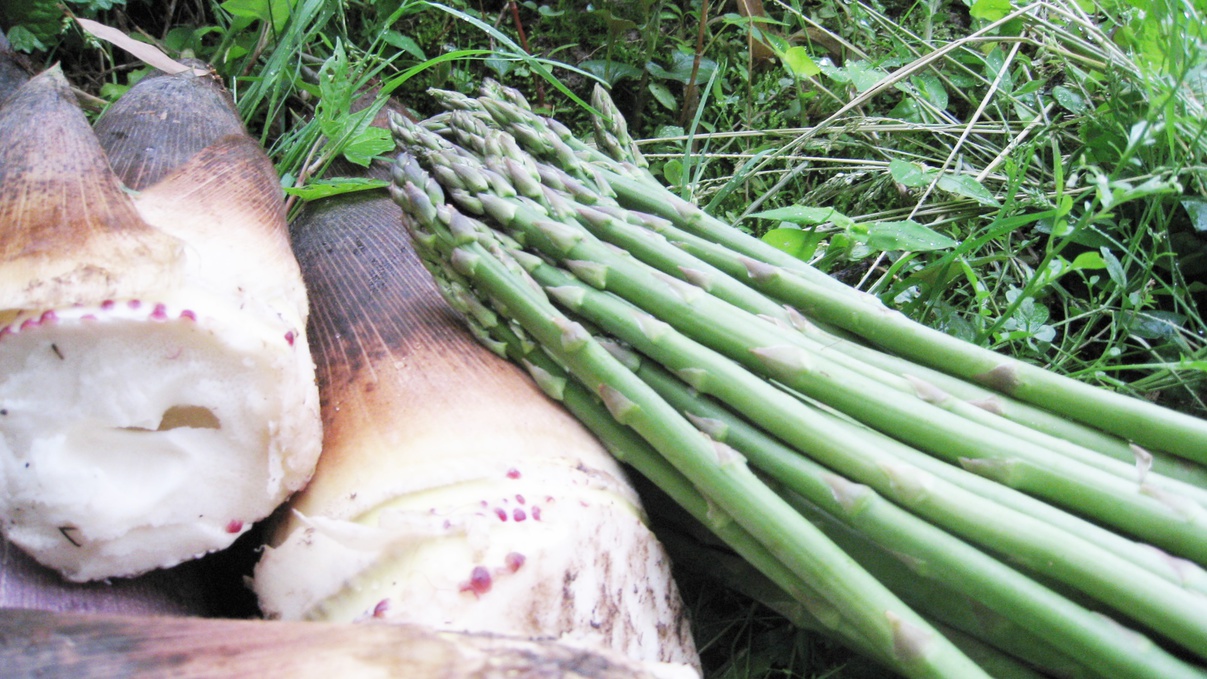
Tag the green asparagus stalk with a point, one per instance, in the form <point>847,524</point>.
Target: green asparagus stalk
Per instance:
<point>1144,423</point>
<point>671,261</point>
<point>884,465</point>
<point>933,553</point>
<point>719,473</point>
<point>1167,520</point>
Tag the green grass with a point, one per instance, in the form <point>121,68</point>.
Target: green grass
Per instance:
<point>1032,178</point>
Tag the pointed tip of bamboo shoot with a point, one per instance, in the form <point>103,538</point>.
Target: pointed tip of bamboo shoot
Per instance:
<point>162,122</point>
<point>70,233</point>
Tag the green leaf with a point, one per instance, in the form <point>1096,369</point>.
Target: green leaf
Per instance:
<point>1069,100</point>
<point>663,95</point>
<point>24,40</point>
<point>863,75</point>
<point>681,68</point>
<point>334,187</point>
<point>1196,209</point>
<point>1153,324</point>
<point>1114,268</point>
<point>97,5</point>
<point>367,145</point>
<point>930,86</point>
<point>275,11</point>
<point>795,242</point>
<point>967,186</point>
<point>804,215</point>
<point>610,71</point>
<point>672,171</point>
<point>403,42</point>
<point>798,62</point>
<point>908,110</point>
<point>907,235</point>
<point>909,174</point>
<point>1088,260</point>
<point>990,10</point>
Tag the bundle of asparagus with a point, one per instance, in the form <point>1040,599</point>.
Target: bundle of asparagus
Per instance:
<point>157,395</point>
<point>794,416</point>
<point>451,493</point>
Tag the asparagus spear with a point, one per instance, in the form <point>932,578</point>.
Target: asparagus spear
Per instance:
<point>1144,423</point>
<point>722,476</point>
<point>451,492</point>
<point>1167,519</point>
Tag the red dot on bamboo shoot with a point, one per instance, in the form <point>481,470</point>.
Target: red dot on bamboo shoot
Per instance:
<point>479,581</point>
<point>234,526</point>
<point>514,560</point>
<point>379,611</point>
<point>502,514</point>
<point>519,514</point>
<point>188,314</point>
<point>513,473</point>
<point>160,313</point>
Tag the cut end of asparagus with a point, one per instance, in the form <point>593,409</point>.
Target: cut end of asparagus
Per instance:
<point>136,435</point>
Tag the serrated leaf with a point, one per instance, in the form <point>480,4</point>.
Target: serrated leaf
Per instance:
<point>806,216</point>
<point>967,186</point>
<point>798,61</point>
<point>906,235</point>
<point>24,40</point>
<point>909,174</point>
<point>368,144</point>
<point>335,187</point>
<point>990,10</point>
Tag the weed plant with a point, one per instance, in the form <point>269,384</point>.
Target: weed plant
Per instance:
<point>1029,177</point>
